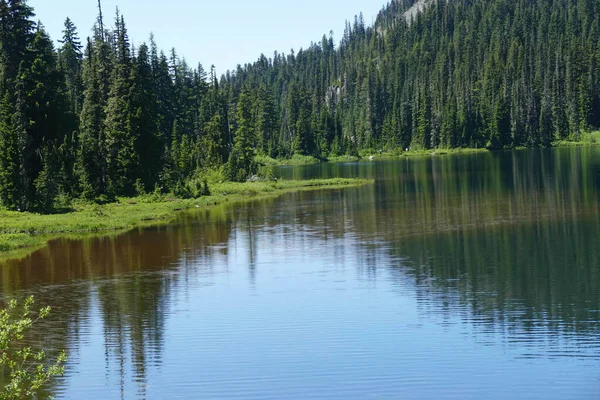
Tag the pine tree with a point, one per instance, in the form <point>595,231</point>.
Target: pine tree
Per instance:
<point>46,111</point>
<point>10,156</point>
<point>241,162</point>
<point>143,119</point>
<point>164,93</point>
<point>92,167</point>
<point>18,30</point>
<point>70,61</point>
<point>266,119</point>
<point>213,112</point>
<point>122,161</point>
<point>16,36</point>
<point>47,183</point>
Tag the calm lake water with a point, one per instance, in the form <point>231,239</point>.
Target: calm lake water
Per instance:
<point>456,277</point>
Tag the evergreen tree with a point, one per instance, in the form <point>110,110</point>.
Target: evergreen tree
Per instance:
<point>143,122</point>
<point>241,162</point>
<point>10,171</point>
<point>92,146</point>
<point>461,73</point>
<point>70,61</point>
<point>122,161</point>
<point>46,112</point>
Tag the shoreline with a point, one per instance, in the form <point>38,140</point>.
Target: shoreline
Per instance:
<point>265,162</point>
<point>591,139</point>
<point>23,233</point>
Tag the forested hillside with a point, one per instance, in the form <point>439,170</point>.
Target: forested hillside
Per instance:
<point>98,118</point>
<point>463,73</point>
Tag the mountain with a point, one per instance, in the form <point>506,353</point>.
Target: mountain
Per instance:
<point>464,73</point>
<point>416,8</point>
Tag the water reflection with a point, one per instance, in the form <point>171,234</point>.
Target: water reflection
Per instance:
<point>499,248</point>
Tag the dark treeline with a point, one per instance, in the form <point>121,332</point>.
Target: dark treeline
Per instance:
<point>462,73</point>
<point>101,118</point>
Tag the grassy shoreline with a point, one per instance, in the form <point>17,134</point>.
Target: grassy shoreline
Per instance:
<point>436,152</point>
<point>364,155</point>
<point>586,139</point>
<point>22,233</point>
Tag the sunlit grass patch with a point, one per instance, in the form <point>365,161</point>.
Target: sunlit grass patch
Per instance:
<point>29,230</point>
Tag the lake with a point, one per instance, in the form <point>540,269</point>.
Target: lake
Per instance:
<point>458,277</point>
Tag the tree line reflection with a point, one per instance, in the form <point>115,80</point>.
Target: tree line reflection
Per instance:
<point>510,237</point>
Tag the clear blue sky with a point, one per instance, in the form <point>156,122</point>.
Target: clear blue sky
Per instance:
<point>224,33</point>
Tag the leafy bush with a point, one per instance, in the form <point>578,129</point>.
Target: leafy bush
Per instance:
<point>266,160</point>
<point>193,188</point>
<point>591,137</point>
<point>267,173</point>
<point>302,159</point>
<point>27,369</point>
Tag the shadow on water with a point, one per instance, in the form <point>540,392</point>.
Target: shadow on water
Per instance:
<point>505,242</point>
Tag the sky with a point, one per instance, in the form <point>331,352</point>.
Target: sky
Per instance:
<point>223,33</point>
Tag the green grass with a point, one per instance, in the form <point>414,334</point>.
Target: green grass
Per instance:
<point>439,152</point>
<point>585,139</point>
<point>420,153</point>
<point>344,158</point>
<point>296,159</point>
<point>364,155</point>
<point>28,231</point>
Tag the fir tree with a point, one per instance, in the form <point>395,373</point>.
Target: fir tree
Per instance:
<point>143,122</point>
<point>241,164</point>
<point>120,142</point>
<point>70,61</point>
<point>92,148</point>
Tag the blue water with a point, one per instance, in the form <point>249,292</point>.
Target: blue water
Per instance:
<point>463,277</point>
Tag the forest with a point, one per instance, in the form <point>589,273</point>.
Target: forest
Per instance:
<point>100,117</point>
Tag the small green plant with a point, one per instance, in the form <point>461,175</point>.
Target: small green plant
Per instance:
<point>140,189</point>
<point>157,194</point>
<point>27,370</point>
<point>63,202</point>
<point>267,173</point>
<point>98,210</point>
<point>590,137</point>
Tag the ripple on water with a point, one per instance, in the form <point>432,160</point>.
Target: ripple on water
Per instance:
<point>454,278</point>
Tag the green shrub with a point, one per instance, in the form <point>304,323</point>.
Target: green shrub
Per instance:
<point>591,137</point>
<point>27,369</point>
<point>140,189</point>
